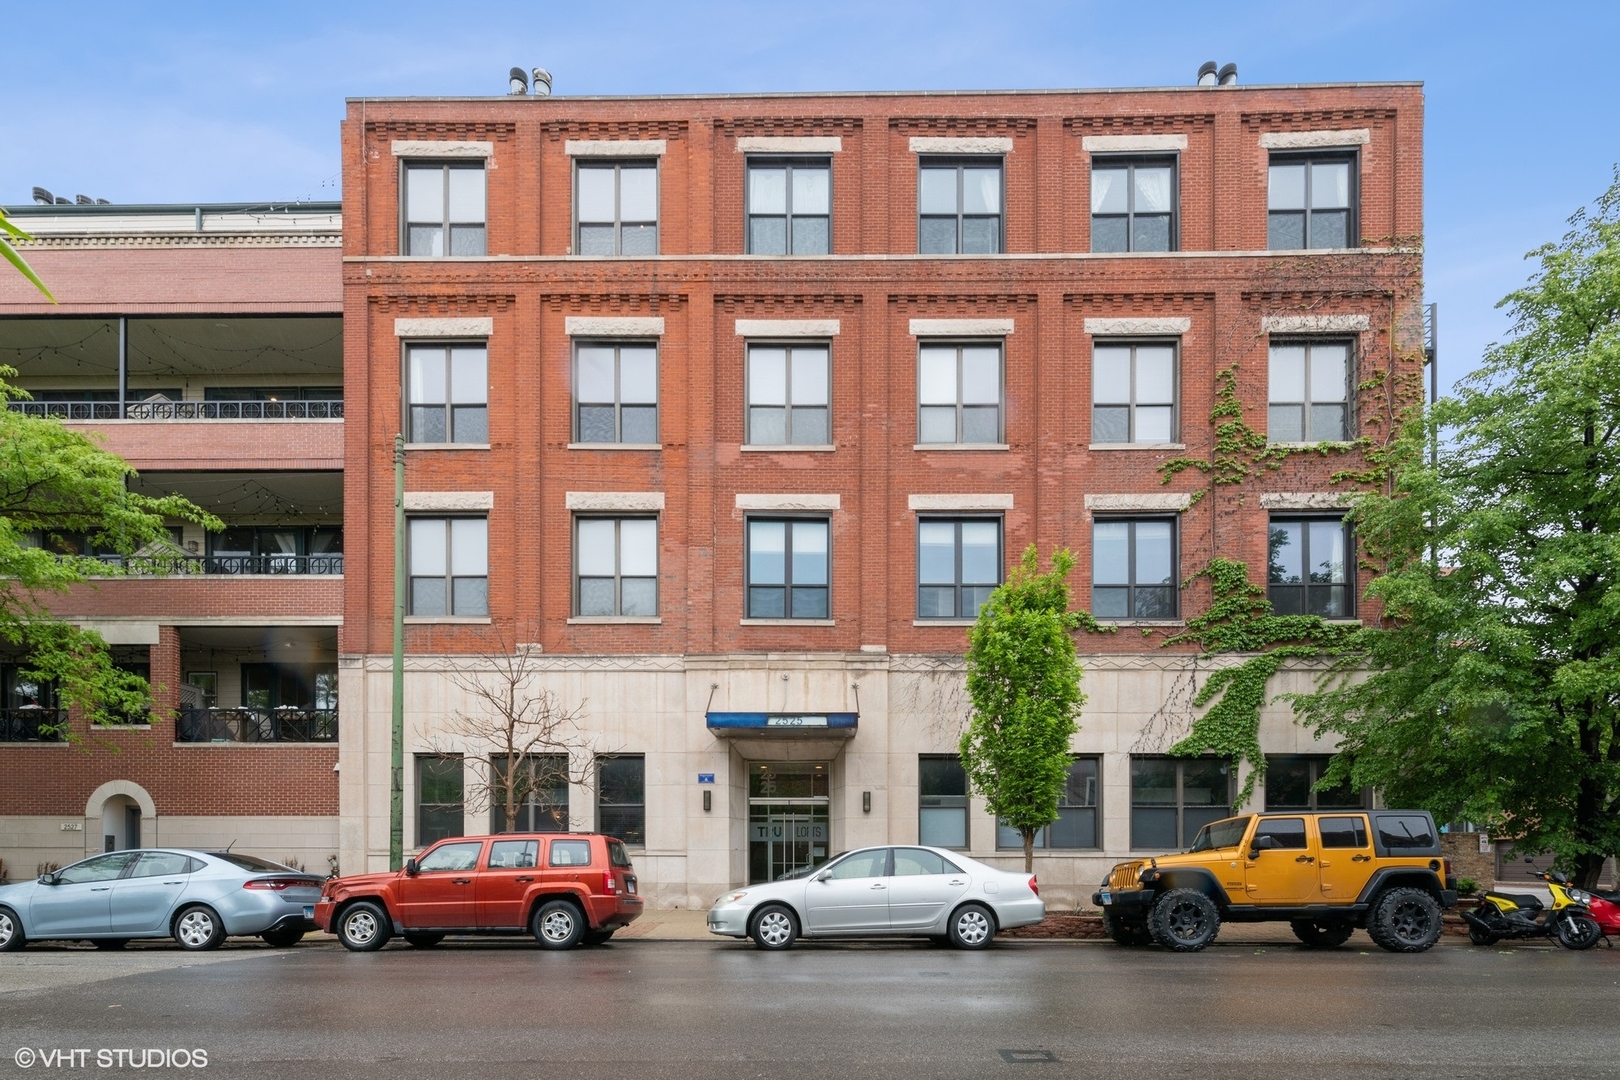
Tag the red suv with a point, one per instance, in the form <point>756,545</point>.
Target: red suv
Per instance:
<point>562,888</point>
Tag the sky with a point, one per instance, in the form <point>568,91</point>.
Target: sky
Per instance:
<point>151,102</point>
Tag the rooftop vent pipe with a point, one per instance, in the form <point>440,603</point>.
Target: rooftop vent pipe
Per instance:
<point>1228,75</point>
<point>43,197</point>
<point>542,82</point>
<point>519,82</point>
<point>1206,73</point>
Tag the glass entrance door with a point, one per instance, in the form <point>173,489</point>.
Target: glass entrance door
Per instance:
<point>787,818</point>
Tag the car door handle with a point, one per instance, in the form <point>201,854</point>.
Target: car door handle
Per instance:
<point>879,885</point>
<point>103,888</point>
<point>1361,858</point>
<point>523,880</point>
<point>174,883</point>
<point>1306,858</point>
<point>957,881</point>
<point>461,881</point>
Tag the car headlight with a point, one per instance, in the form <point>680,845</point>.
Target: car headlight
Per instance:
<point>732,898</point>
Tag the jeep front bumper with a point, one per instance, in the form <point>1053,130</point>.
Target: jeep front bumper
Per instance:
<point>1123,901</point>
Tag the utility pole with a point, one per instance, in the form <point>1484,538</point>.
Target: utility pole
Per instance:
<point>396,793</point>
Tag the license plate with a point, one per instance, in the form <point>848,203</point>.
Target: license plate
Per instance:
<point>630,886</point>
<point>1106,897</point>
<point>309,911</point>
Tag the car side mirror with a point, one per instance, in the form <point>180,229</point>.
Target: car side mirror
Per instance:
<point>410,868</point>
<point>1263,843</point>
<point>825,875</point>
<point>49,879</point>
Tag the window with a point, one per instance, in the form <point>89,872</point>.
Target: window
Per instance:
<point>919,862</point>
<point>616,393</point>
<point>290,686</point>
<point>1342,832</point>
<point>1076,824</point>
<point>788,569</point>
<point>1310,202</point>
<point>1291,785</point>
<point>789,207</point>
<point>449,563</point>
<point>959,394</point>
<point>1133,204</point>
<point>958,565</point>
<point>540,788</point>
<point>1133,393</point>
<point>1171,799</point>
<point>617,208</point>
<point>616,566</point>
<point>1310,392</point>
<point>621,801</point>
<point>1308,568</point>
<point>439,799</point>
<point>1288,832</point>
<point>570,853</point>
<point>1133,569</point>
<point>959,207</point>
<point>514,854</point>
<point>447,393</point>
<point>1403,834</point>
<point>789,388</point>
<point>19,691</point>
<point>163,864</point>
<point>444,200</point>
<point>451,858</point>
<point>100,868</point>
<point>862,864</point>
<point>942,802</point>
<point>276,549</point>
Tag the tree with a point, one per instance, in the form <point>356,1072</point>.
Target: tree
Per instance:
<point>9,232</point>
<point>1492,690</point>
<point>1024,684</point>
<point>535,744</point>
<point>55,482</point>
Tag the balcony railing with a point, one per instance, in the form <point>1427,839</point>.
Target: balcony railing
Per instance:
<point>324,565</point>
<point>251,725</point>
<point>184,410</point>
<point>32,725</point>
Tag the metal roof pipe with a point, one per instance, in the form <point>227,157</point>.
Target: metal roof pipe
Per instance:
<point>1228,75</point>
<point>518,82</point>
<point>1206,73</point>
<point>542,82</point>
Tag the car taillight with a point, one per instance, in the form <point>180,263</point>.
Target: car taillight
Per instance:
<point>1033,886</point>
<point>274,884</point>
<point>610,884</point>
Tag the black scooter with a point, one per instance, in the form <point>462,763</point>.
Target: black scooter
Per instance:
<point>1503,916</point>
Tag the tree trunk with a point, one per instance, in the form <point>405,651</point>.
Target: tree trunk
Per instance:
<point>1029,849</point>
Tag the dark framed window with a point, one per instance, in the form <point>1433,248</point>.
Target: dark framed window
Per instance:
<point>616,207</point>
<point>273,549</point>
<point>1172,798</point>
<point>290,686</point>
<point>959,563</point>
<point>440,797</point>
<point>1310,201</point>
<point>959,393</point>
<point>942,801</point>
<point>1133,392</point>
<point>789,568</point>
<point>789,395</point>
<point>540,788</point>
<point>1133,568</point>
<point>1076,824</point>
<point>616,566</point>
<point>1133,204</point>
<point>789,206</point>
<point>1309,395</point>
<point>1308,567</point>
<point>444,199</point>
<point>447,393</point>
<point>621,797</point>
<point>1291,785</point>
<point>616,392</point>
<point>959,206</point>
<point>449,566</point>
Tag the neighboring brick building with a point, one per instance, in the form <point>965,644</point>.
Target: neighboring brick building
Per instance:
<point>734,407</point>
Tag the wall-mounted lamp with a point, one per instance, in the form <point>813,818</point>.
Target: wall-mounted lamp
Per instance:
<point>866,802</point>
<point>708,801</point>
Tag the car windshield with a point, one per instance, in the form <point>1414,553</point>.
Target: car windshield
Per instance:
<point>250,862</point>
<point>1220,834</point>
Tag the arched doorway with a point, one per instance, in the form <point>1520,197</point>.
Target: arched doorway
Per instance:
<point>119,815</point>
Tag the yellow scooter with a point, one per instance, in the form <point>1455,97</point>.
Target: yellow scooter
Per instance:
<point>1512,916</point>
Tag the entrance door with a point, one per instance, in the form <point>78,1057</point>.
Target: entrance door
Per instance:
<point>788,825</point>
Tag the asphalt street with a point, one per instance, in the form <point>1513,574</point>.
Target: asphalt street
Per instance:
<point>891,1010</point>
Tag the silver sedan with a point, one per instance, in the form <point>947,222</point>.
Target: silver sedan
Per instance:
<point>197,897</point>
<point>884,892</point>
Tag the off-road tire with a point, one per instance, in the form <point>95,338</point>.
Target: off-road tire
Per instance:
<point>12,937</point>
<point>1321,935</point>
<point>363,927</point>
<point>1124,932</point>
<point>597,937</point>
<point>558,924</point>
<point>972,926</point>
<point>1184,920</point>
<point>774,927</point>
<point>198,928</point>
<point>1578,932</point>
<point>109,944</point>
<point>1481,937</point>
<point>423,941</point>
<point>1405,921</point>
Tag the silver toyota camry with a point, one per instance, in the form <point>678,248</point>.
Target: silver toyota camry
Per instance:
<point>197,897</point>
<point>884,892</point>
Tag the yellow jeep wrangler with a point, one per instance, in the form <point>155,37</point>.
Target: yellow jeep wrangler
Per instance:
<point>1325,874</point>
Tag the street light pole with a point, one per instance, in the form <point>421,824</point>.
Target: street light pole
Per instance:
<point>396,793</point>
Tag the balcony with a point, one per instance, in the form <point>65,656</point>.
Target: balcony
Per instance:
<point>247,409</point>
<point>33,725</point>
<point>254,725</point>
<point>194,565</point>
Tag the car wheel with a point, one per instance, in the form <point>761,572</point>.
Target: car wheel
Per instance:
<point>557,924</point>
<point>11,931</point>
<point>1482,937</point>
<point>597,937</point>
<point>972,927</point>
<point>1125,933</point>
<point>774,928</point>
<point>423,941</point>
<point>110,944</point>
<point>197,928</point>
<point>363,927</point>
<point>282,939</point>
<point>1405,920</point>
<point>1322,935</point>
<point>1184,920</point>
<point>1577,931</point>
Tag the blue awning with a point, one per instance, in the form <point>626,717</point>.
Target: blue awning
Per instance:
<point>751,723</point>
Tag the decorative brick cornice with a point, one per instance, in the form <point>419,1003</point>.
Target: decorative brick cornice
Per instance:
<point>618,303</point>
<point>484,131</point>
<point>186,240</point>
<point>1316,118</point>
<point>962,125</point>
<point>734,126</point>
<point>974,302</point>
<point>1136,299</point>
<point>732,302</point>
<point>613,129</point>
<point>422,305</point>
<point>1136,125</point>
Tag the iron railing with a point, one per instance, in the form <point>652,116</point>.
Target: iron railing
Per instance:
<point>324,565</point>
<point>33,725</point>
<point>253,725</point>
<point>320,409</point>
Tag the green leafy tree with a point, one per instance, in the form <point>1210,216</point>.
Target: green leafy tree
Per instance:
<point>1492,689</point>
<point>57,481</point>
<point>8,251</point>
<point>1024,684</point>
